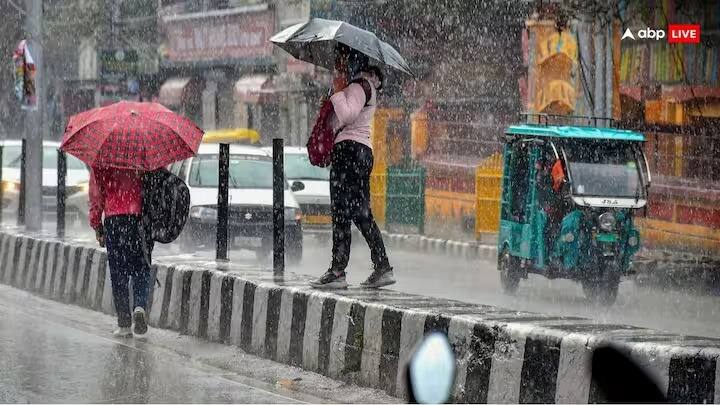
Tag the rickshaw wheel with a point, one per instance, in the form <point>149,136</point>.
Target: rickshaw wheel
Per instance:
<point>603,292</point>
<point>509,272</point>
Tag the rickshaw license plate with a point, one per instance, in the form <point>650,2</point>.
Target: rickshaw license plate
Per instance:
<point>318,219</point>
<point>248,241</point>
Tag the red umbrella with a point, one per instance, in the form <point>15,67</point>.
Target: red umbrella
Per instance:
<point>131,135</point>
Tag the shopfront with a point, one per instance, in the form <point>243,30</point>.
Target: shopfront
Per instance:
<point>207,56</point>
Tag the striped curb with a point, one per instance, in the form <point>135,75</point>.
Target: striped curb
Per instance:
<point>366,336</point>
<point>468,250</point>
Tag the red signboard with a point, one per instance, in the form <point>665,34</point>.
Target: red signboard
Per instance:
<point>219,36</point>
<point>684,33</point>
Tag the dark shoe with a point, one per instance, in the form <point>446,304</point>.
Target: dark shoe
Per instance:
<point>140,321</point>
<point>331,280</point>
<point>380,277</point>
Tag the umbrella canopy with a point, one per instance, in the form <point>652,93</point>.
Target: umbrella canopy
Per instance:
<point>315,41</point>
<point>131,135</point>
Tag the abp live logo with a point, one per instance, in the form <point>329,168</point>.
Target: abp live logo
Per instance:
<point>684,33</point>
<point>676,34</point>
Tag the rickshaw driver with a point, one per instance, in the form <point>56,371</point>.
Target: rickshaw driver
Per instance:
<point>551,177</point>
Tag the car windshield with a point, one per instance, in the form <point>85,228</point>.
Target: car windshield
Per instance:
<point>246,171</point>
<point>297,166</point>
<point>12,157</point>
<point>604,168</point>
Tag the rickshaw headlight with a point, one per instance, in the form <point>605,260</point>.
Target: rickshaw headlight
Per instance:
<point>569,237</point>
<point>606,221</point>
<point>633,241</point>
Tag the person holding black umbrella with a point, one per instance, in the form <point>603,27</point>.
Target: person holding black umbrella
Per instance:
<point>347,50</point>
<point>354,102</point>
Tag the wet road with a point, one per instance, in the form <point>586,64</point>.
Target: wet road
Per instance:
<point>52,352</point>
<point>478,282</point>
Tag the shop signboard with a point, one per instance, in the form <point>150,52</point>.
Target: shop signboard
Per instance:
<point>219,36</point>
<point>118,63</point>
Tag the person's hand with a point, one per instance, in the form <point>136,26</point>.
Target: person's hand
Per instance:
<point>100,237</point>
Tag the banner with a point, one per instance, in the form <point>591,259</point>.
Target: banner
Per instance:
<point>25,85</point>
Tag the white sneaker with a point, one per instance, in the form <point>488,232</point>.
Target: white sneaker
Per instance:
<point>140,321</point>
<point>123,333</point>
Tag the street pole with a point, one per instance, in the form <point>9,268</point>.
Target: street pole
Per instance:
<point>61,182</point>
<point>23,175</point>
<point>609,68</point>
<point>599,40</point>
<point>221,238</point>
<point>278,207</point>
<point>2,185</point>
<point>34,122</point>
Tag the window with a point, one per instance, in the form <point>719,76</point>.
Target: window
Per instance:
<point>519,179</point>
<point>604,168</point>
<point>175,168</point>
<point>182,173</point>
<point>245,172</point>
<point>50,160</point>
<point>297,166</point>
<point>11,156</point>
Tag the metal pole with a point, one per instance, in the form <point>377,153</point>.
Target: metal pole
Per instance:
<point>35,128</point>
<point>2,185</point>
<point>278,207</point>
<point>609,72</point>
<point>61,175</point>
<point>21,193</point>
<point>221,242</point>
<point>599,40</point>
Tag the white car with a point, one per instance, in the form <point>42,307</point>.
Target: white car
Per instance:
<point>314,198</point>
<point>76,179</point>
<point>251,201</point>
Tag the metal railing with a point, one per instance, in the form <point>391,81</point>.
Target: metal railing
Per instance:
<point>559,119</point>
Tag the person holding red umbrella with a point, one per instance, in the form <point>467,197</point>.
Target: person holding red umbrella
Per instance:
<point>121,143</point>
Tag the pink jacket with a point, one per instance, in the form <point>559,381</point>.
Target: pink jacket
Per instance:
<point>352,115</point>
<point>114,192</point>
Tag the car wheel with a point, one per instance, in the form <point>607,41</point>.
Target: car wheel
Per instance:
<point>294,252</point>
<point>262,255</point>
<point>602,290</point>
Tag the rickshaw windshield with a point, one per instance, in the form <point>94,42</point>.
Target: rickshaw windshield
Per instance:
<point>604,168</point>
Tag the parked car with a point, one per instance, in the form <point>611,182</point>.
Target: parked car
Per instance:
<point>76,179</point>
<point>314,199</point>
<point>251,202</point>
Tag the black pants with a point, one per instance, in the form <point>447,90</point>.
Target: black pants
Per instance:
<point>127,261</point>
<point>352,163</point>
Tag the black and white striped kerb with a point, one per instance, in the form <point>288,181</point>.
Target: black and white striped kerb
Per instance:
<point>367,337</point>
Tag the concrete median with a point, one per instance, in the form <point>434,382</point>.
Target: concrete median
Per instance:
<point>365,336</point>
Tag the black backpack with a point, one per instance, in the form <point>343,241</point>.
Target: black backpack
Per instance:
<point>166,204</point>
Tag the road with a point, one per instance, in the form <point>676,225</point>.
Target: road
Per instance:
<point>478,281</point>
<point>680,312</point>
<point>53,352</point>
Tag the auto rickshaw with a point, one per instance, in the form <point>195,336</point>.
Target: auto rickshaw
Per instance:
<point>569,196</point>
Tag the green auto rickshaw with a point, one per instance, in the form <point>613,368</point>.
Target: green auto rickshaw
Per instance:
<point>569,196</point>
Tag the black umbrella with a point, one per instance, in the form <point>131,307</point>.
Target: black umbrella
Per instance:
<point>315,41</point>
